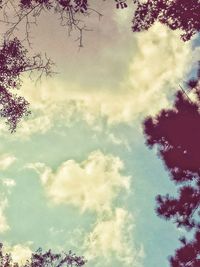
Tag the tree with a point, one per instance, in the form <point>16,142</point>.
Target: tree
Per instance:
<point>175,132</point>
<point>188,254</point>
<point>43,259</point>
<point>176,14</point>
<point>71,13</point>
<point>13,63</point>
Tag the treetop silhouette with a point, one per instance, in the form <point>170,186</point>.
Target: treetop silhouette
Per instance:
<point>175,132</point>
<point>43,259</point>
<point>176,14</point>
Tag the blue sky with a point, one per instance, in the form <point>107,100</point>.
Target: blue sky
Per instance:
<point>32,218</point>
<point>77,173</point>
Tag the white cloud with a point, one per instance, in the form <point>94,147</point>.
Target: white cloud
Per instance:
<point>6,161</point>
<point>90,185</point>
<point>3,220</point>
<point>6,185</point>
<point>157,66</point>
<point>20,253</point>
<point>93,185</point>
<point>113,236</point>
<point>54,231</point>
<point>8,182</point>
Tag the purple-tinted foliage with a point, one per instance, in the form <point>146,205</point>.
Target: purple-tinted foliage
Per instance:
<point>176,14</point>
<point>72,5</point>
<point>69,5</point>
<point>176,132</point>
<point>13,108</point>
<point>44,259</point>
<point>182,208</point>
<point>121,4</point>
<point>13,63</point>
<point>188,254</point>
<point>28,4</point>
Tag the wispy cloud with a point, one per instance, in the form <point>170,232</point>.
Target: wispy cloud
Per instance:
<point>113,236</point>
<point>3,220</point>
<point>8,182</point>
<point>6,160</point>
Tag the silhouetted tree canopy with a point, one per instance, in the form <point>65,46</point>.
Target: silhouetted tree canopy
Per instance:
<point>176,132</point>
<point>43,259</point>
<point>189,254</point>
<point>13,63</point>
<point>176,14</point>
<point>71,13</point>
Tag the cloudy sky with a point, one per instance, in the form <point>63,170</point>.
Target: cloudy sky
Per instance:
<point>77,174</point>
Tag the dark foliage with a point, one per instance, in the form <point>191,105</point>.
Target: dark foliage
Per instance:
<point>71,13</point>
<point>13,108</point>
<point>121,4</point>
<point>68,5</point>
<point>14,61</point>
<point>44,259</point>
<point>189,254</point>
<point>176,134</point>
<point>176,14</point>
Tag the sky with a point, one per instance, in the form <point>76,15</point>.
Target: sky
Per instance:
<point>77,173</point>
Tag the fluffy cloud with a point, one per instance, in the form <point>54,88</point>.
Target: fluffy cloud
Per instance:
<point>159,62</point>
<point>6,161</point>
<point>90,185</point>
<point>20,253</point>
<point>93,185</point>
<point>113,237</point>
<point>158,66</point>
